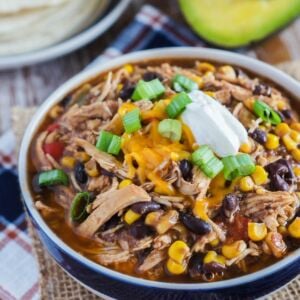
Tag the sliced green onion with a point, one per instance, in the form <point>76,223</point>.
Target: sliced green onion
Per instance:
<point>108,142</point>
<point>182,83</point>
<point>205,159</point>
<point>213,167</point>
<point>115,145</point>
<point>78,207</point>
<point>53,177</point>
<point>170,129</point>
<point>177,105</point>
<point>104,140</point>
<point>131,121</point>
<point>148,90</point>
<point>238,165</point>
<point>202,155</point>
<point>266,113</point>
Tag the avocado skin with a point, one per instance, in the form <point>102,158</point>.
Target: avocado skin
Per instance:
<point>237,23</point>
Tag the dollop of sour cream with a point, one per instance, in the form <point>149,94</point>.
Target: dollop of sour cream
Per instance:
<point>213,124</point>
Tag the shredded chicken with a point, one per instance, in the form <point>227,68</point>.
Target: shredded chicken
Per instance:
<point>198,185</point>
<point>113,256</point>
<point>269,206</point>
<point>77,115</point>
<point>110,203</point>
<point>41,157</point>
<point>200,244</point>
<point>152,260</point>
<point>105,160</point>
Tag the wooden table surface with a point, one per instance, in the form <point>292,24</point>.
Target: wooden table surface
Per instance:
<point>31,85</point>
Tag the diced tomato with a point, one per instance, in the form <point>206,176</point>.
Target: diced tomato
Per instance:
<point>238,230</point>
<point>55,149</point>
<point>52,127</point>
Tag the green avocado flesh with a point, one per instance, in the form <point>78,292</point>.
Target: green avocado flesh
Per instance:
<point>235,23</point>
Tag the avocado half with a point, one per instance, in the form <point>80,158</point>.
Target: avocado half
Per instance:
<point>235,23</point>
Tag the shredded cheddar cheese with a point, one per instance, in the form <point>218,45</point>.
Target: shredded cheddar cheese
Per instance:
<point>146,151</point>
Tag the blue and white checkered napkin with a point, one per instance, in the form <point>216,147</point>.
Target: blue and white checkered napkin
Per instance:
<point>19,273</point>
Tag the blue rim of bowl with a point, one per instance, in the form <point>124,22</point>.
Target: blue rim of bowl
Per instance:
<point>250,64</point>
<point>100,26</point>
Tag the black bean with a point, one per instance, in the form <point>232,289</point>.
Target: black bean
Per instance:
<point>213,267</point>
<point>66,101</point>
<point>148,76</point>
<point>139,230</point>
<point>111,223</point>
<point>127,90</point>
<point>262,89</point>
<point>259,136</point>
<point>186,167</point>
<point>196,225</point>
<point>145,207</point>
<point>230,204</point>
<point>280,174</point>
<point>287,113</point>
<point>80,174</point>
<point>196,266</point>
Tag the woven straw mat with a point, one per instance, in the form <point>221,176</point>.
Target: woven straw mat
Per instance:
<point>56,284</point>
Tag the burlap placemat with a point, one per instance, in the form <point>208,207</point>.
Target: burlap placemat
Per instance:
<point>56,284</point>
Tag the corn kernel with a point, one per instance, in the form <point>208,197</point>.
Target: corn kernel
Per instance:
<point>56,111</point>
<point>289,143</point>
<point>175,268</point>
<point>131,216</point>
<point>178,251</point>
<point>93,172</point>
<point>233,250</point>
<point>295,126</point>
<point>295,135</point>
<point>281,105</point>
<point>246,147</point>
<point>282,129</point>
<point>198,80</point>
<point>272,141</point>
<point>297,171</point>
<point>215,242</point>
<point>228,71</point>
<point>152,218</point>
<point>204,67</point>
<point>260,176</point>
<point>82,156</point>
<point>246,184</point>
<point>296,154</point>
<point>124,183</point>
<point>68,162</point>
<point>119,87</point>
<point>282,230</point>
<point>128,68</point>
<point>257,231</point>
<point>294,228</point>
<point>212,256</point>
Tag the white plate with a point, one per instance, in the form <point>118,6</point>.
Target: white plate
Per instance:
<point>69,45</point>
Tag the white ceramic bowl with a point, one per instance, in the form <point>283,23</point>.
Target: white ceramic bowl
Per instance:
<point>103,280</point>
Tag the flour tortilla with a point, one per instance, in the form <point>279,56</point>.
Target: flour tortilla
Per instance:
<point>43,25</point>
<point>14,6</point>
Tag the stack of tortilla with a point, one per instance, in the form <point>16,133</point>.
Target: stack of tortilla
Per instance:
<point>28,25</point>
